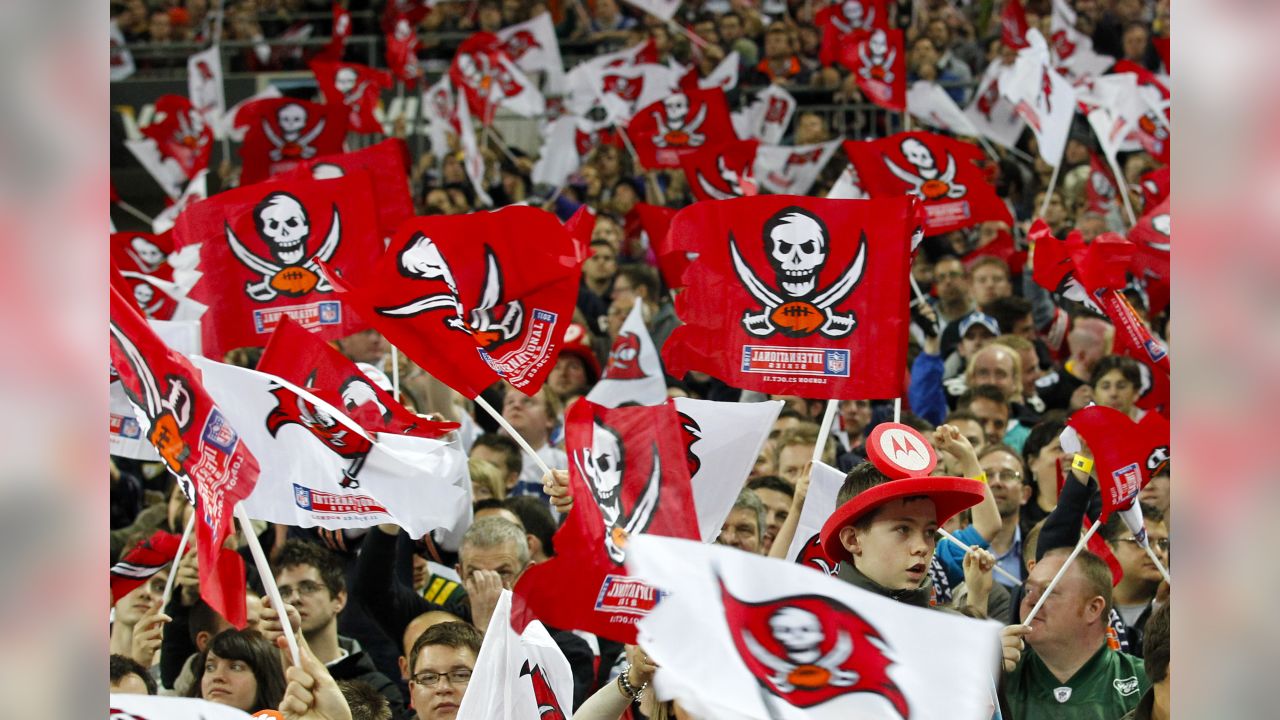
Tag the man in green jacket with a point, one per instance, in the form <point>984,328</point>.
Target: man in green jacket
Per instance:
<point>1068,671</point>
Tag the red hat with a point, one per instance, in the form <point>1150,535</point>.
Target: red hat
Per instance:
<point>576,342</point>
<point>950,495</point>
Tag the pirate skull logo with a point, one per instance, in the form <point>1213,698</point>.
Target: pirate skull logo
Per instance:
<point>852,17</point>
<point>877,57</point>
<point>284,226</point>
<point>294,141</point>
<point>492,323</point>
<point>148,299</point>
<point>927,182</point>
<point>797,246</point>
<point>675,128</point>
<point>603,466</point>
<point>145,254</point>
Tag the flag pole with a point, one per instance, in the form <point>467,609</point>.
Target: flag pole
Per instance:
<point>897,409</point>
<point>960,543</point>
<point>217,39</point>
<point>1062,571</point>
<point>1164,572</point>
<point>395,372</point>
<point>268,579</point>
<point>524,444</point>
<point>134,212</point>
<point>1048,193</point>
<point>824,430</point>
<point>173,573</point>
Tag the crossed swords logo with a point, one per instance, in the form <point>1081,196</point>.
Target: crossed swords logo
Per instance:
<point>291,140</point>
<point>927,183</point>
<point>285,229</point>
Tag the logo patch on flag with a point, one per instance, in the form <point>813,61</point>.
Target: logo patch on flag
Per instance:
<point>795,362</point>
<point>1127,481</point>
<point>331,505</point>
<point>309,316</point>
<point>218,432</point>
<point>622,594</point>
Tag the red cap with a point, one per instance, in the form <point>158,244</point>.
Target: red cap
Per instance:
<point>577,342</point>
<point>950,495</point>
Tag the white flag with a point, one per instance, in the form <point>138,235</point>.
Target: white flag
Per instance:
<point>620,90</point>
<point>819,503</point>
<point>767,117</point>
<point>724,76</point>
<point>197,189</point>
<point>1072,48</point>
<point>473,161</point>
<point>559,156</point>
<point>439,108</point>
<point>664,9</point>
<point>533,46</point>
<point>789,170</point>
<point>204,85</point>
<point>167,173</point>
<point>737,635</point>
<point>634,371</point>
<point>122,65</point>
<point>1041,96</point>
<point>991,114</point>
<point>934,107</point>
<point>126,438</point>
<point>846,186</point>
<point>320,468</point>
<point>518,677</point>
<point>147,707</point>
<point>724,440</point>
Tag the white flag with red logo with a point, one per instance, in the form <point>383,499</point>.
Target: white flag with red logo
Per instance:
<point>473,161</point>
<point>743,636</point>
<point>722,442</point>
<point>518,676</point>
<point>320,468</point>
<point>664,9</point>
<point>767,117</point>
<point>167,172</point>
<point>847,186</point>
<point>488,78</point>
<point>1041,96</point>
<point>725,75</point>
<point>993,116</point>
<point>934,107</point>
<point>204,86</point>
<point>620,90</point>
<point>533,47</point>
<point>1072,48</point>
<point>819,503</point>
<point>634,371</point>
<point>788,170</point>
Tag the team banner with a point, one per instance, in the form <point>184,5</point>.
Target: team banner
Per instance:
<point>679,125</point>
<point>819,503</point>
<point>796,295</point>
<point>259,255</point>
<point>320,468</point>
<point>743,636</point>
<point>474,299</point>
<point>282,132</point>
<point>1126,454</point>
<point>355,87</point>
<point>628,471</point>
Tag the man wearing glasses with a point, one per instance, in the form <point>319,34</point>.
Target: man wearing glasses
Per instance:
<point>1135,595</point>
<point>440,669</point>
<point>1007,479</point>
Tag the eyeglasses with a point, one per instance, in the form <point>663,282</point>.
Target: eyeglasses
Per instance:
<point>306,587</point>
<point>1011,476</point>
<point>953,275</point>
<point>1162,543</point>
<point>461,676</point>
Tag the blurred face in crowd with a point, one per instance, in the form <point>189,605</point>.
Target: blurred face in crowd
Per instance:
<point>502,558</point>
<point>951,280</point>
<point>1156,493</point>
<point>528,415</point>
<point>856,415</point>
<point>706,29</point>
<point>607,230</point>
<point>1091,225</point>
<point>1088,340</point>
<point>791,462</point>
<point>569,376</point>
<point>995,365</point>
<point>1136,40</point>
<point>624,199</point>
<point>438,200</point>
<point>924,58</point>
<point>940,34</point>
<point>1068,611</point>
<point>810,128</point>
<point>617,314</point>
<point>228,682</point>
<point>970,429</point>
<point>1077,153</point>
<point>895,550</point>
<point>1044,467</point>
<point>765,464</point>
<point>777,45</point>
<point>741,530</point>
<point>449,671</point>
<point>317,606</point>
<point>1115,391</point>
<point>160,29</point>
<point>994,417</point>
<point>490,17</point>
<point>602,265</point>
<point>776,505</point>
<point>131,607</point>
<point>609,160</point>
<point>606,9</point>
<point>1134,560</point>
<point>452,171</point>
<point>1030,365</point>
<point>1056,214</point>
<point>1004,475</point>
<point>989,282</point>
<point>497,458</point>
<point>366,346</point>
<point>978,337</point>
<point>730,28</point>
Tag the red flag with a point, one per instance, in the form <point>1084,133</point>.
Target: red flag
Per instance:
<point>213,468</point>
<point>1162,49</point>
<point>1151,261</point>
<point>488,77</point>
<point>387,167</point>
<point>298,356</point>
<point>402,51</point>
<point>723,172</point>
<point>260,250</point>
<point>1153,127</point>
<point>1101,193</point>
<point>474,298</point>
<point>655,220</point>
<point>1013,25</point>
<point>629,475</point>
<point>1099,547</point>
<point>147,253</point>
<point>1126,454</point>
<point>878,60</point>
<point>795,295</point>
<point>680,124</point>
<point>142,562</point>
<point>125,288</point>
<point>1155,187</point>
<point>282,132</point>
<point>1002,247</point>
<point>940,171</point>
<point>839,20</point>
<point>182,134</point>
<point>410,11</point>
<point>355,87</point>
<point>337,45</point>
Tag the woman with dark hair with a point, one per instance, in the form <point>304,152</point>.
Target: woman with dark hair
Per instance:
<point>241,669</point>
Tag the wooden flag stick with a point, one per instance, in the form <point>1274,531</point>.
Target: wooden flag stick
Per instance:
<point>1062,571</point>
<point>268,579</point>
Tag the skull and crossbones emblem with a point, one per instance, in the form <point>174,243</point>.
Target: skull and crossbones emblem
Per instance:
<point>851,16</point>
<point>145,254</point>
<point>284,226</point>
<point>492,323</point>
<point>878,65</point>
<point>800,633</point>
<point>293,142</point>
<point>148,299</point>
<point>927,182</point>
<point>348,83</point>
<point>603,465</point>
<point>676,129</point>
<point>797,246</point>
